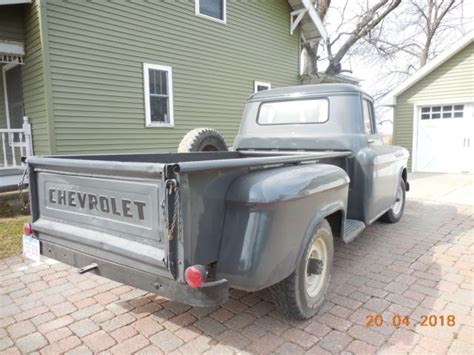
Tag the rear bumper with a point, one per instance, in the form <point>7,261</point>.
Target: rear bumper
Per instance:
<point>210,294</point>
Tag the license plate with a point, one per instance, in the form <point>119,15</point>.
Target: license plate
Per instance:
<point>31,248</point>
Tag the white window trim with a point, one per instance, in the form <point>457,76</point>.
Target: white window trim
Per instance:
<point>256,84</point>
<point>146,83</point>
<point>224,10</point>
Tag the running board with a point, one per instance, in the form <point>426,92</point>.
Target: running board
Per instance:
<point>352,229</point>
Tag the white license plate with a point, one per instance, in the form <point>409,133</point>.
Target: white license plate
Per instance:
<point>31,248</point>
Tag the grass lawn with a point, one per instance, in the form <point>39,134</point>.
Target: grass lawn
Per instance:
<point>11,235</point>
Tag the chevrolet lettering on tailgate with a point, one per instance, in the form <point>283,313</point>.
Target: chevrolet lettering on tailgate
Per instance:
<point>116,206</point>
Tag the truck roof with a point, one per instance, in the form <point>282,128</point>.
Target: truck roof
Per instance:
<point>304,90</point>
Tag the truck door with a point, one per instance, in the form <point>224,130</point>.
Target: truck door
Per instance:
<point>380,172</point>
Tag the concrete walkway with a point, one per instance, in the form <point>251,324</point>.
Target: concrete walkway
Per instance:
<point>442,188</point>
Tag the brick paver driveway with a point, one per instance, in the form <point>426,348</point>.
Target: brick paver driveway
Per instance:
<point>422,266</point>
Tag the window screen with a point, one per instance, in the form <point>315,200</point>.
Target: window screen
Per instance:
<point>212,8</point>
<point>294,112</point>
<point>159,98</point>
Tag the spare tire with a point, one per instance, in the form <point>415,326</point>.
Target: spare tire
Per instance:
<point>202,140</point>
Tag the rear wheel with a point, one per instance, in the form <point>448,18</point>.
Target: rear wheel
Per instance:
<point>395,213</point>
<point>302,293</point>
<point>202,140</point>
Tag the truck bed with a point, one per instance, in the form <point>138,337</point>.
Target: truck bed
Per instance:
<point>123,210</point>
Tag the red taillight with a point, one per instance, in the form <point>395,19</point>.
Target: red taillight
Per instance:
<point>27,229</point>
<point>195,275</point>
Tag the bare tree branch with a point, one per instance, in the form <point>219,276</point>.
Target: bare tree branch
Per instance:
<point>367,22</point>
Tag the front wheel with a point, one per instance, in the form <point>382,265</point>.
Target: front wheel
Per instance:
<point>302,293</point>
<point>395,213</point>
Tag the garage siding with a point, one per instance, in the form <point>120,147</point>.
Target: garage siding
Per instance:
<point>96,56</point>
<point>453,80</point>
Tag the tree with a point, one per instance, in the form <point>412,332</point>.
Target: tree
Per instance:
<point>367,21</point>
<point>408,36</point>
<point>433,13</point>
<point>347,33</point>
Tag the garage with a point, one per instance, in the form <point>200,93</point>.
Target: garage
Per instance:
<point>445,140</point>
<point>434,112</point>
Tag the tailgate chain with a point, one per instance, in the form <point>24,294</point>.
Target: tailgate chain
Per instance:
<point>172,186</point>
<point>21,185</point>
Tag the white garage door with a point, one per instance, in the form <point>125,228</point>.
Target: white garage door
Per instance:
<point>445,142</point>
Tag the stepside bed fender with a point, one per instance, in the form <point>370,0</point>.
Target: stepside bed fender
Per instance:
<point>270,214</point>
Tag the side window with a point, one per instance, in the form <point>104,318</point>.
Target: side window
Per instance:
<point>158,95</point>
<point>367,112</point>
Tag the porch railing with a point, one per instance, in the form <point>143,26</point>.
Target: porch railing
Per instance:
<point>14,144</point>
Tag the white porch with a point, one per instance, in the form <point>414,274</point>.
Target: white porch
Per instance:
<point>15,143</point>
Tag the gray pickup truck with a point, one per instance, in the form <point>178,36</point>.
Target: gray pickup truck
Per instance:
<point>307,166</point>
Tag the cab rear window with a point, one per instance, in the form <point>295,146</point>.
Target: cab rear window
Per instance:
<point>293,112</point>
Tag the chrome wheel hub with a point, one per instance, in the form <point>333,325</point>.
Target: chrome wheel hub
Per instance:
<point>316,267</point>
<point>397,206</point>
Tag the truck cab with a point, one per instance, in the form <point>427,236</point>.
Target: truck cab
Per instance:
<point>329,117</point>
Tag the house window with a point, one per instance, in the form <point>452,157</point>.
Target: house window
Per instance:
<point>158,82</point>
<point>212,9</point>
<point>261,86</point>
<point>442,112</point>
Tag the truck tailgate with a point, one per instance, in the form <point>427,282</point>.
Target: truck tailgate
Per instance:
<point>112,217</point>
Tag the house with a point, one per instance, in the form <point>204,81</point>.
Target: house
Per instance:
<point>434,112</point>
<point>136,76</point>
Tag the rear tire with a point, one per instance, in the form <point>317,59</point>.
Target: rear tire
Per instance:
<point>202,140</point>
<point>300,295</point>
<point>394,214</point>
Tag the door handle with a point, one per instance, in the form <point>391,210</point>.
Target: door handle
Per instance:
<point>370,141</point>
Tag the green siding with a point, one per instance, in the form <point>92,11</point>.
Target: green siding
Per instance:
<point>96,56</point>
<point>11,23</point>
<point>33,77</point>
<point>454,80</point>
